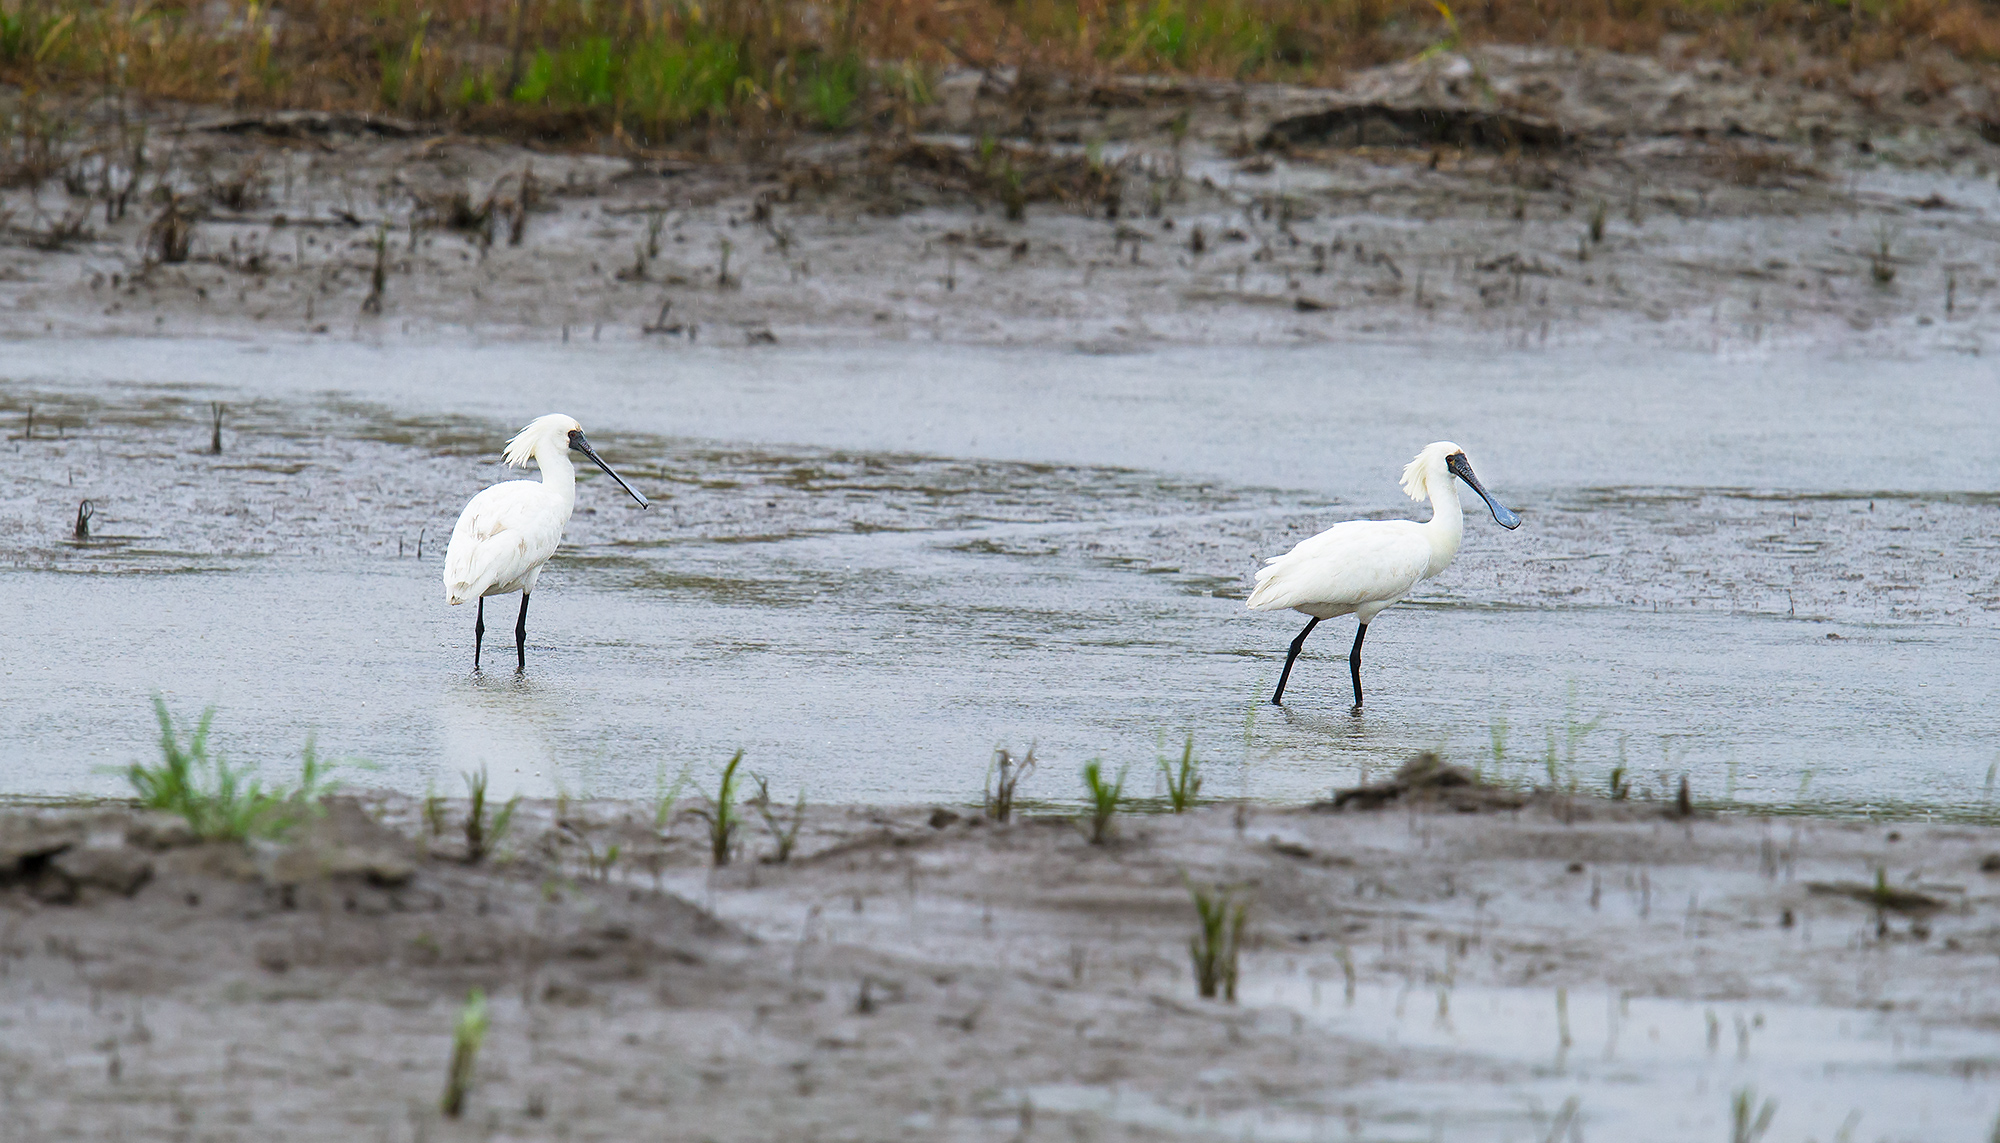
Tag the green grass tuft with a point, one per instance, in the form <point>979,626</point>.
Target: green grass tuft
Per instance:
<point>722,814</point>
<point>1183,779</point>
<point>481,834</point>
<point>222,802</point>
<point>1218,939</point>
<point>1104,799</point>
<point>466,1038</point>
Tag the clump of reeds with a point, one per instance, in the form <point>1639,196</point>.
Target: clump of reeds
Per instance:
<point>466,1038</point>
<point>220,801</point>
<point>1183,778</point>
<point>1003,777</point>
<point>482,833</point>
<point>1104,797</point>
<point>1218,938</point>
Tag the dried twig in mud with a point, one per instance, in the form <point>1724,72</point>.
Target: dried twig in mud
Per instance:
<point>215,428</point>
<point>1219,937</point>
<point>378,279</point>
<point>1184,780</point>
<point>171,234</point>
<point>83,513</point>
<point>1882,263</point>
<point>723,818</point>
<point>62,233</point>
<point>466,1039</point>
<point>784,833</point>
<point>481,835</point>
<point>1002,778</point>
<point>1104,799</point>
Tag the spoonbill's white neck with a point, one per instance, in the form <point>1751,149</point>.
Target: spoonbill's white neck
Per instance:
<point>1446,526</point>
<point>559,474</point>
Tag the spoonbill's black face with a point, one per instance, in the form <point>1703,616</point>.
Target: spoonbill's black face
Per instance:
<point>1462,468</point>
<point>578,444</point>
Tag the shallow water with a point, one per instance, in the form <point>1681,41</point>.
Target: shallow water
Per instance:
<point>1499,1064</point>
<point>869,566</point>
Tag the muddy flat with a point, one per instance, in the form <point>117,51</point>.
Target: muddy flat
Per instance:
<point>1604,969</point>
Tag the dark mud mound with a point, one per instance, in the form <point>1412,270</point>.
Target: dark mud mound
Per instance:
<point>1383,125</point>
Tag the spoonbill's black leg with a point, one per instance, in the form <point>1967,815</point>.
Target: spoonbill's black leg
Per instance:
<point>1354,664</point>
<point>521,636</point>
<point>1298,644</point>
<point>478,632</point>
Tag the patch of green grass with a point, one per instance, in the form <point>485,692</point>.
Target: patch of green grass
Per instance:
<point>1183,779</point>
<point>482,834</point>
<point>1104,799</point>
<point>830,90</point>
<point>222,802</point>
<point>1218,938</point>
<point>466,1037</point>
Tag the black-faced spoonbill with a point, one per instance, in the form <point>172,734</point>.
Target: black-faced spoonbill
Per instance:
<point>510,530</point>
<point>1364,566</point>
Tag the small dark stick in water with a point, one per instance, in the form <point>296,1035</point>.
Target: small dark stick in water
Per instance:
<point>215,437</point>
<point>84,512</point>
<point>29,432</point>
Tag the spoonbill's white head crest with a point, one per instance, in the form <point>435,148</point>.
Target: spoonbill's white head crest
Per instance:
<point>1429,470</point>
<point>549,434</point>
<point>1433,469</point>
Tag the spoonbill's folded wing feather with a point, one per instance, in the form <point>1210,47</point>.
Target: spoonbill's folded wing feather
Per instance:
<point>504,533</point>
<point>1347,565</point>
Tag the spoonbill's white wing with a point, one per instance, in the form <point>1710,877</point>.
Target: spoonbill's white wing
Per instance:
<point>1344,567</point>
<point>505,533</point>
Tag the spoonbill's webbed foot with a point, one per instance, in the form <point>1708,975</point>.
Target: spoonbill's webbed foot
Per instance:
<point>1354,664</point>
<point>1298,644</point>
<point>521,636</point>
<point>478,632</point>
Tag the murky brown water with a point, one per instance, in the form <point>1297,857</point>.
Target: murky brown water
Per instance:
<point>870,566</point>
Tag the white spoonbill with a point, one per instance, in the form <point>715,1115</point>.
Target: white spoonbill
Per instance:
<point>1364,566</point>
<point>510,530</point>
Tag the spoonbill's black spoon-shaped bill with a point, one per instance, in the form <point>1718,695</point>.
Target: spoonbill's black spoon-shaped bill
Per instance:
<point>509,531</point>
<point>1362,567</point>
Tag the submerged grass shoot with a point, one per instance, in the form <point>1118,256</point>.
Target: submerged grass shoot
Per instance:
<point>1218,938</point>
<point>466,1037</point>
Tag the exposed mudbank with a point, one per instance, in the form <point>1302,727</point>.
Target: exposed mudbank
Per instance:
<point>937,975</point>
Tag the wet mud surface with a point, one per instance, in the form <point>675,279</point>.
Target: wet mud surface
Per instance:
<point>1583,966</point>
